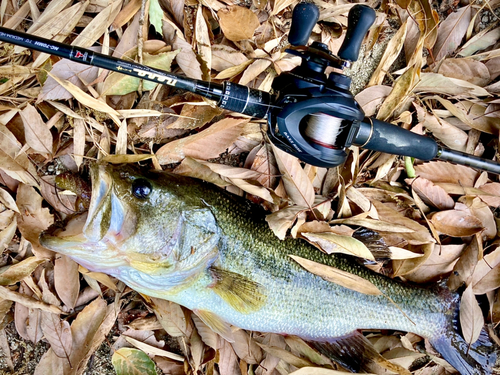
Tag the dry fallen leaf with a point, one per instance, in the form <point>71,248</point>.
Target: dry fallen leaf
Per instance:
<point>334,243</point>
<point>471,316</point>
<point>345,279</point>
<point>238,23</point>
<point>456,223</point>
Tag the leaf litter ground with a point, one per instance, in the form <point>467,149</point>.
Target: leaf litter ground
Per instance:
<point>55,115</point>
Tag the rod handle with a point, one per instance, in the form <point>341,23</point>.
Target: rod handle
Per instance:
<point>381,136</point>
<point>360,19</point>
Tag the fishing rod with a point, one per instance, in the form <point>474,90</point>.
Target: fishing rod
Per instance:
<point>312,116</point>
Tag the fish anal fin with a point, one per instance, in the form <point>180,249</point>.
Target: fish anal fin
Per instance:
<point>216,324</point>
<point>355,353</point>
<point>241,293</point>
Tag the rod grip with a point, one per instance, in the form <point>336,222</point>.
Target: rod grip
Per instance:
<point>381,136</point>
<point>360,19</point>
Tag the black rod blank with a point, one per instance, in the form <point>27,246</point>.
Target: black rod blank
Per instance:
<point>230,96</point>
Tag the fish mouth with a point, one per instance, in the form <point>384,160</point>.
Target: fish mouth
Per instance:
<point>96,234</point>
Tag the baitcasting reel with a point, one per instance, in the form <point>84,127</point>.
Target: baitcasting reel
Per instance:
<point>319,118</point>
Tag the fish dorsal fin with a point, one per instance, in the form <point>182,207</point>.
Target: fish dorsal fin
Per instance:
<point>216,324</point>
<point>355,353</point>
<point>241,293</point>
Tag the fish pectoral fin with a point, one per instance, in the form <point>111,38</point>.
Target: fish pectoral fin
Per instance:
<point>216,324</point>
<point>241,293</point>
<point>355,353</point>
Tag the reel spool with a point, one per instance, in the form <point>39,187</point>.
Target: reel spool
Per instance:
<point>324,130</point>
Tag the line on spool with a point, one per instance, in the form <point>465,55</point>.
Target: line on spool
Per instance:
<point>323,129</point>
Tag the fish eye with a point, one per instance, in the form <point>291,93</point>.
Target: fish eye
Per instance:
<point>141,188</point>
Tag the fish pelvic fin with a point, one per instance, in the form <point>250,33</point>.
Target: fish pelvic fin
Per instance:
<point>356,353</point>
<point>216,324</point>
<point>480,358</point>
<point>242,294</point>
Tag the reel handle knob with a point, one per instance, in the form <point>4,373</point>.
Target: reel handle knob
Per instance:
<point>360,19</point>
<point>304,17</point>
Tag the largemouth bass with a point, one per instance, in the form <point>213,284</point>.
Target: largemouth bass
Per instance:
<point>183,240</point>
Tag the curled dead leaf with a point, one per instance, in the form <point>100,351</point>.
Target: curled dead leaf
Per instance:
<point>456,223</point>
<point>345,279</point>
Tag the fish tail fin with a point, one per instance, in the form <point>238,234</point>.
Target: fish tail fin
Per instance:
<point>480,358</point>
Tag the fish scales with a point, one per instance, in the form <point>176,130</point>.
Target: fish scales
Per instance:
<point>183,240</point>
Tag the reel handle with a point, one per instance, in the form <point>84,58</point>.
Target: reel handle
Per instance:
<point>360,19</point>
<point>304,17</point>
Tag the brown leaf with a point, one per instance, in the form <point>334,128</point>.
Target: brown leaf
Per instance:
<point>153,350</point>
<point>420,233</point>
<point>193,168</point>
<point>19,271</point>
<point>282,220</point>
<point>390,55</point>
<point>440,262</point>
<point>286,356</point>
<point>471,316</point>
<point>372,97</point>
<point>334,243</point>
<point>98,26</point>
<point>401,89</point>
<point>438,171</point>
<point>38,136</point>
<point>481,210</point>
<point>194,116</point>
<point>27,301</point>
<point>297,184</point>
<point>206,144</point>
<point>225,57</point>
<point>432,194</point>
<point>68,70</point>
<point>171,317</point>
<point>406,266</point>
<point>203,39</point>
<point>334,275</point>
<point>87,100</point>
<point>186,58</point>
<point>66,280</point>
<point>84,330</point>
<point>469,70</point>
<point>246,347</point>
<point>456,223</point>
<point>439,84</point>
<point>228,361</point>
<point>255,68</point>
<point>58,334</point>
<point>238,23</point>
<point>489,282</point>
<point>208,336</point>
<point>464,268</point>
<point>61,202</point>
<point>451,136</point>
<point>480,41</point>
<point>451,32</point>
<point>263,161</point>
<point>33,218</point>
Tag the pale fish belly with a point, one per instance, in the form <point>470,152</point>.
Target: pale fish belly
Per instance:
<point>316,309</point>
